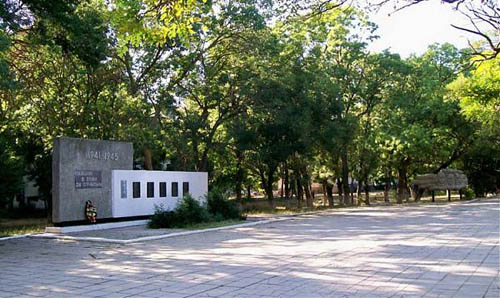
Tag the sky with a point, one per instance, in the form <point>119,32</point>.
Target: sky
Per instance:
<point>414,28</point>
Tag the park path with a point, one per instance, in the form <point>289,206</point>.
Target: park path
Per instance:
<point>418,251</point>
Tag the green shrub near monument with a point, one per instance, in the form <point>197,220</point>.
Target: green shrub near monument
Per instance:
<point>191,212</point>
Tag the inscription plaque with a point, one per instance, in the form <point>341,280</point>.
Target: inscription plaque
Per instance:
<point>123,188</point>
<point>88,179</point>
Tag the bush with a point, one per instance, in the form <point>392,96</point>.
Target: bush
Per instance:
<point>190,211</point>
<point>162,218</point>
<point>469,193</point>
<point>222,208</point>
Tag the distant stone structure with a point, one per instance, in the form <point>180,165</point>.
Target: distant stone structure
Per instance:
<point>446,179</point>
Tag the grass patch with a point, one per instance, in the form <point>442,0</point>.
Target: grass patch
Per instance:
<point>284,206</point>
<point>13,227</point>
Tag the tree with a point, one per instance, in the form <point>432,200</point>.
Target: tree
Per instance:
<point>11,169</point>
<point>478,95</point>
<point>419,130</point>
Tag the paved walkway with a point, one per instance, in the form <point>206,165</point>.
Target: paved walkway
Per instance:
<point>432,251</point>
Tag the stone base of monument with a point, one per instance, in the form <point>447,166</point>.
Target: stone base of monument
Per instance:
<point>95,227</point>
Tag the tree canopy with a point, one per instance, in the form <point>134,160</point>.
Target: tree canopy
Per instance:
<point>250,91</point>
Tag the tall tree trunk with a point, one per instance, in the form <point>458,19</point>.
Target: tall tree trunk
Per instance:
<point>287,181</point>
<point>367,193</point>
<point>403,193</point>
<point>309,198</point>
<point>148,159</point>
<point>300,192</point>
<point>352,194</point>
<point>387,187</point>
<point>360,188</point>
<point>270,196</point>
<point>325,198</point>
<point>329,191</point>
<point>282,182</point>
<point>267,183</point>
<point>339,191</point>
<point>249,192</point>
<point>239,176</point>
<point>345,179</point>
<point>307,187</point>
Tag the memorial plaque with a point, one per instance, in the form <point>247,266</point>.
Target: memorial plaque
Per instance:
<point>88,179</point>
<point>123,189</point>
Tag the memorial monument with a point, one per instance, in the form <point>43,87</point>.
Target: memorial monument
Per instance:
<point>101,172</point>
<point>81,171</point>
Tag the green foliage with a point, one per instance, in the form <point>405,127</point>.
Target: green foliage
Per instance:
<point>162,218</point>
<point>188,212</point>
<point>230,88</point>
<point>221,207</point>
<point>469,193</point>
<point>11,170</point>
<point>479,95</point>
<point>481,164</point>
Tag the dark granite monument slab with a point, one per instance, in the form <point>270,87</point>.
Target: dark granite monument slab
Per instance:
<point>81,171</point>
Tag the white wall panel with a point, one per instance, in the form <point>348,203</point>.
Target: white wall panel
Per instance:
<point>129,206</point>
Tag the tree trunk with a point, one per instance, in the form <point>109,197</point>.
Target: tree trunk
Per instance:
<point>329,191</point>
<point>367,193</point>
<point>249,193</point>
<point>339,191</point>
<point>267,183</point>
<point>270,196</point>
<point>360,186</point>
<point>282,183</point>
<point>403,193</point>
<point>287,181</point>
<point>293,187</point>
<point>148,159</point>
<point>239,177</point>
<point>10,203</point>
<point>352,194</point>
<point>307,188</point>
<point>387,188</point>
<point>309,198</point>
<point>325,199</point>
<point>345,179</point>
<point>300,192</point>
